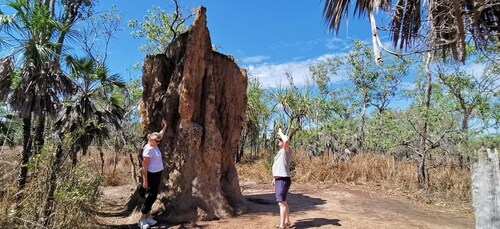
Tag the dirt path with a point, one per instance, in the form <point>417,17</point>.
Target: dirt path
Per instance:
<point>314,207</point>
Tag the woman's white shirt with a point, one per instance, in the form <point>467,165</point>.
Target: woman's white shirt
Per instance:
<point>156,163</point>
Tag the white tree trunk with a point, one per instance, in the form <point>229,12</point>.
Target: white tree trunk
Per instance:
<point>486,189</point>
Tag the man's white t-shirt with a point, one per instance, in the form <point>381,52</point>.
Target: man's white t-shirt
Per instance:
<point>281,165</point>
<point>156,164</point>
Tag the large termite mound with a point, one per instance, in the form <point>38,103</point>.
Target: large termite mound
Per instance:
<point>201,94</point>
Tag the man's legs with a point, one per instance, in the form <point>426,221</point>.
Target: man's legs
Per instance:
<point>287,214</point>
<point>281,187</point>
<point>284,214</point>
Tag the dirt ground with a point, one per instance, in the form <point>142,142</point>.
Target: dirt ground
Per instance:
<point>312,207</point>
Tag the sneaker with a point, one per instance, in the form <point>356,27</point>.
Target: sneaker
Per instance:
<point>143,224</point>
<point>151,221</point>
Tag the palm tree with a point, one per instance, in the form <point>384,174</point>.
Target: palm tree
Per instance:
<point>86,117</point>
<point>36,35</point>
<point>450,22</point>
<point>93,108</point>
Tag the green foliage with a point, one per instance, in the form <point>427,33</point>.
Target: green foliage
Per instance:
<point>10,126</point>
<point>385,131</point>
<point>323,71</point>
<point>76,193</point>
<point>75,197</point>
<point>489,141</point>
<point>268,162</point>
<point>158,28</point>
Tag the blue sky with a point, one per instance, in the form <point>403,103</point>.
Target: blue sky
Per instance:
<point>266,37</point>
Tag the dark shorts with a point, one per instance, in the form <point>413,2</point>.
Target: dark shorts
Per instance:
<point>281,187</point>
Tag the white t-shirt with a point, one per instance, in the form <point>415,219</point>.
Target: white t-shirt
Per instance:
<point>156,164</point>
<point>281,165</point>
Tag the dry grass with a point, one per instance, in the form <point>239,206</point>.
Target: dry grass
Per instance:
<point>448,185</point>
<point>116,175</point>
<point>77,191</point>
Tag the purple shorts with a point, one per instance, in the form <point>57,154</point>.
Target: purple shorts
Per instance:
<point>281,187</point>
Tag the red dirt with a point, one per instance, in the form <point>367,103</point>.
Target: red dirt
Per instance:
<point>313,207</point>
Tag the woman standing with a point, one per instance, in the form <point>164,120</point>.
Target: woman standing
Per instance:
<point>281,178</point>
<point>152,167</point>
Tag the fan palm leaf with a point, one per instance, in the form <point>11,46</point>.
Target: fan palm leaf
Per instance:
<point>450,21</point>
<point>92,113</point>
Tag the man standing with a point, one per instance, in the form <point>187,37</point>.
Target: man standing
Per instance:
<point>281,178</point>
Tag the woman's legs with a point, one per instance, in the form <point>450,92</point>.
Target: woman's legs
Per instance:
<point>154,180</point>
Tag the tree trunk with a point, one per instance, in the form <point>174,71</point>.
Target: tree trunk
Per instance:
<point>241,146</point>
<point>50,204</point>
<point>101,156</point>
<point>465,129</point>
<point>264,136</point>
<point>74,157</point>
<point>361,130</point>
<point>201,94</point>
<point>133,167</point>
<point>115,161</point>
<point>423,178</point>
<point>39,133</point>
<point>486,188</point>
<point>25,156</point>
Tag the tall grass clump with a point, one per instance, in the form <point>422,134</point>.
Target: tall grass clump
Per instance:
<point>74,199</point>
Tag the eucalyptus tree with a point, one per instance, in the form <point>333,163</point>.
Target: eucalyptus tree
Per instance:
<point>431,121</point>
<point>375,85</point>
<point>36,33</point>
<point>159,28</point>
<point>472,94</point>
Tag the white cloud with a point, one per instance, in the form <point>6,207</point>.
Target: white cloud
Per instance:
<point>254,59</point>
<point>337,44</point>
<point>274,75</point>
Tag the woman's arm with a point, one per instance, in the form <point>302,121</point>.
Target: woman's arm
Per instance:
<point>162,132</point>
<point>145,165</point>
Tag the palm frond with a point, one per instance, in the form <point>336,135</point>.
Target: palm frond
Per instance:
<point>5,20</point>
<point>6,73</point>
<point>450,22</point>
<point>334,10</point>
<point>405,22</point>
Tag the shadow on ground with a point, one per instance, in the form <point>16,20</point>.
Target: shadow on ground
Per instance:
<point>157,226</point>
<point>316,222</point>
<point>266,203</point>
<point>258,204</point>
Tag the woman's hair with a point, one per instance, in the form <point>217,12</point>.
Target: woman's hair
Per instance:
<point>153,135</point>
